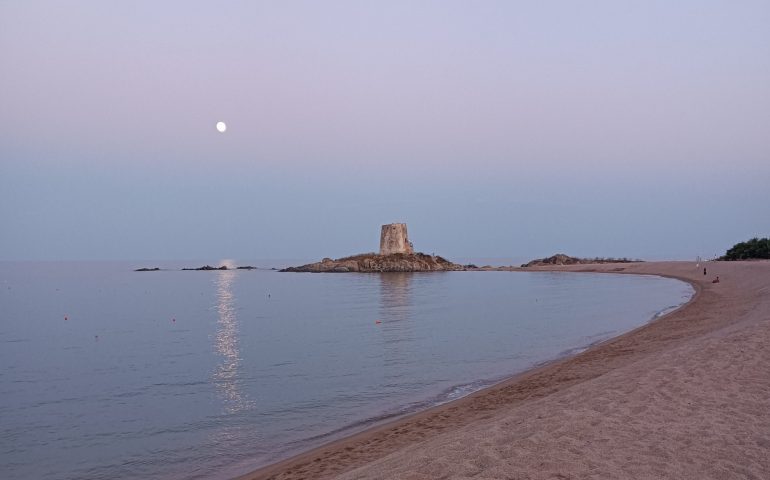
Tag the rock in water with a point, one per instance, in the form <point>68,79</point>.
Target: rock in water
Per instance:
<point>372,262</point>
<point>562,259</point>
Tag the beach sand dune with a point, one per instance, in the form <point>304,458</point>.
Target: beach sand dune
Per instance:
<point>686,396</point>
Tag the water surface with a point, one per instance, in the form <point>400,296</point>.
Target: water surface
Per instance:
<point>110,373</point>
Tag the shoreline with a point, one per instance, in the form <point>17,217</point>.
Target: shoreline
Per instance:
<point>366,454</point>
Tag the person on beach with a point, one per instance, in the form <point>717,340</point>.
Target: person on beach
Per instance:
<point>704,271</point>
<point>716,280</point>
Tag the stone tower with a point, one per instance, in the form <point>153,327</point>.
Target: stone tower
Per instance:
<point>394,239</point>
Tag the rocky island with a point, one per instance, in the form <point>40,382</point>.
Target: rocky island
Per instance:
<point>373,262</point>
<point>207,267</point>
<point>562,259</point>
<point>396,255</point>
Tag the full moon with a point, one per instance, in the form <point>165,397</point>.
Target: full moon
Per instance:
<point>221,127</point>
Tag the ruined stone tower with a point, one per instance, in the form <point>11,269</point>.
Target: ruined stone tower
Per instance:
<point>394,239</point>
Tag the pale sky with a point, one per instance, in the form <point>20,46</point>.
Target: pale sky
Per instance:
<point>494,129</point>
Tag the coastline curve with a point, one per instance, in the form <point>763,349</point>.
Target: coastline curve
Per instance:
<point>382,433</point>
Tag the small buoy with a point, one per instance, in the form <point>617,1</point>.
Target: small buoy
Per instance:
<point>66,318</point>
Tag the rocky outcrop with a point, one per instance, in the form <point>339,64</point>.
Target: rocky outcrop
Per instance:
<point>204,268</point>
<point>372,262</point>
<point>562,259</point>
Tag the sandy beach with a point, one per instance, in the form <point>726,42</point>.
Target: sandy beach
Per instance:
<point>685,396</point>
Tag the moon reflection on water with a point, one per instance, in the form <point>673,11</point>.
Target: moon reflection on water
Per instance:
<point>227,375</point>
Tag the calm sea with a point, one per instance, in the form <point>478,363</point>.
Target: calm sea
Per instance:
<point>106,373</point>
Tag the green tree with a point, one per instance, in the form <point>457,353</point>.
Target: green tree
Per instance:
<point>754,248</point>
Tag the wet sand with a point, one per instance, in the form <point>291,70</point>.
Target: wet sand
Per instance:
<point>686,396</point>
